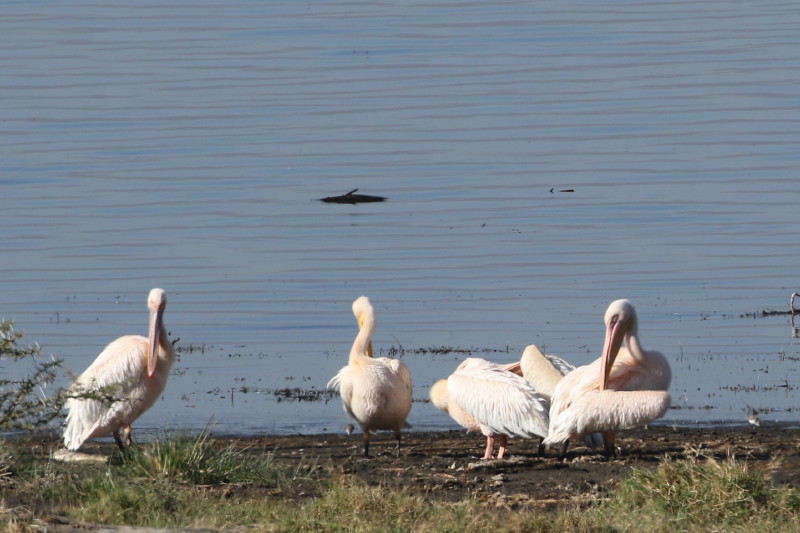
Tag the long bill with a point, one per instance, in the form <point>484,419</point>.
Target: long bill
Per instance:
<point>154,339</point>
<point>614,336</point>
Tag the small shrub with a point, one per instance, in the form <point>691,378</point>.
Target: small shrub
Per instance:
<point>6,460</point>
<point>23,404</point>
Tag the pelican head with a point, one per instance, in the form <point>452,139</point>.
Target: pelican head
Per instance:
<point>620,322</point>
<point>156,302</point>
<point>365,316</point>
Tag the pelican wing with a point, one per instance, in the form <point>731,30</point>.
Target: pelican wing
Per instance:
<point>120,361</point>
<point>607,410</point>
<point>498,399</point>
<point>559,364</point>
<point>629,374</point>
<point>574,385</point>
<point>398,368</point>
<point>343,384</point>
<point>335,383</point>
<point>114,379</point>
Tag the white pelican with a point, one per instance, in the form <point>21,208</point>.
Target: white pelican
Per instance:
<point>133,370</point>
<point>544,372</point>
<point>489,398</point>
<point>376,392</point>
<point>643,375</point>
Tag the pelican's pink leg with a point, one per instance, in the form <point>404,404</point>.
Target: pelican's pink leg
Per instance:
<point>489,447</point>
<point>501,447</point>
<point>126,430</point>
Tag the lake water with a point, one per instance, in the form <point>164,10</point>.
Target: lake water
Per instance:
<point>185,145</point>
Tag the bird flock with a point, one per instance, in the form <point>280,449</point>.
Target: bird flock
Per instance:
<point>540,395</point>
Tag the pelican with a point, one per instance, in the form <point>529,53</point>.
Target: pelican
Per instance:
<point>376,392</point>
<point>544,372</point>
<point>133,369</point>
<point>489,398</point>
<point>625,387</point>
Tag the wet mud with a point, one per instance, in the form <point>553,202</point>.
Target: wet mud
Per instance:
<point>446,465</point>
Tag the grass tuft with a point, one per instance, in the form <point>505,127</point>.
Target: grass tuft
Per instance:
<point>695,493</point>
<point>198,460</point>
<point>185,458</point>
<point>6,460</point>
<point>351,505</point>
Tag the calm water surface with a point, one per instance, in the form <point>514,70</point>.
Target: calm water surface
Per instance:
<point>185,145</point>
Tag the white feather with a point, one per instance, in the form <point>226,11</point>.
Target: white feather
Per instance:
<point>499,401</point>
<point>607,410</point>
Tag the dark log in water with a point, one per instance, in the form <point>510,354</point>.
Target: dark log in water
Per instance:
<point>352,198</point>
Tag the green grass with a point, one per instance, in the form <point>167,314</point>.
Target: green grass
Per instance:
<point>197,460</point>
<point>177,482</point>
<point>700,495</point>
<point>185,481</point>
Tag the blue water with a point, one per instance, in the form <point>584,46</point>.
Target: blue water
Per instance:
<point>185,145</point>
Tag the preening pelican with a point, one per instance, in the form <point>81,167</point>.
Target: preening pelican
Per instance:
<point>489,398</point>
<point>376,392</point>
<point>606,411</point>
<point>643,375</point>
<point>544,372</point>
<point>131,372</point>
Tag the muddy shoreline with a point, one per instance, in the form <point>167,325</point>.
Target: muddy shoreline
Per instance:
<point>446,465</point>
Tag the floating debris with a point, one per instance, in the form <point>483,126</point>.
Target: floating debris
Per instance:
<point>352,198</point>
<point>784,384</point>
<point>303,395</point>
<point>772,312</point>
<point>768,312</point>
<point>189,348</point>
<point>561,190</point>
<point>400,351</point>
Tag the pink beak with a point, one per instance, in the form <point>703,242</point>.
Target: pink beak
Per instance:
<point>613,342</point>
<point>154,338</point>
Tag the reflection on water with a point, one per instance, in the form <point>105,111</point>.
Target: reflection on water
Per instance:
<point>156,145</point>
